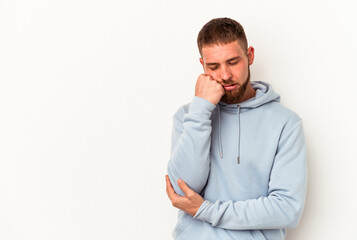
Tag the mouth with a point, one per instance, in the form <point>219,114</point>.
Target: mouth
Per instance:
<point>229,87</point>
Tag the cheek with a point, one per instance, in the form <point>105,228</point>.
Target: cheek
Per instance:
<point>213,74</point>
<point>240,72</point>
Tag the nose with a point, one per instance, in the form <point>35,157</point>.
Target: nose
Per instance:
<point>225,73</point>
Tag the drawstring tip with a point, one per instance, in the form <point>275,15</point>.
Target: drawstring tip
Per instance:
<point>221,154</point>
<point>238,159</point>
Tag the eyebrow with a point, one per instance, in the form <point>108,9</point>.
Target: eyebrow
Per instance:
<point>231,59</point>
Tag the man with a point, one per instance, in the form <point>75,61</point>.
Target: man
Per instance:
<point>237,168</point>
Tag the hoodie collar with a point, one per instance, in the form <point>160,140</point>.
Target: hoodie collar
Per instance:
<point>264,94</point>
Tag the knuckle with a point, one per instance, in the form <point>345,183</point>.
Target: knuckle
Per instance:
<point>207,77</point>
<point>201,76</point>
<point>190,195</point>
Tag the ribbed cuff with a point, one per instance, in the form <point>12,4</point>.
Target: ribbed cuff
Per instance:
<point>205,204</point>
<point>200,106</point>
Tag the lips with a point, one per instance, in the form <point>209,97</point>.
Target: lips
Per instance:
<point>229,87</point>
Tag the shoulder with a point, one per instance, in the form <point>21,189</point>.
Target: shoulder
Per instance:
<point>281,113</point>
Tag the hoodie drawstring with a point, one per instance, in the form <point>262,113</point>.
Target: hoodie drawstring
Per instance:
<point>219,132</point>
<point>238,126</point>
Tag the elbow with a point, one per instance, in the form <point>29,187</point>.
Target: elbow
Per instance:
<point>173,176</point>
<point>290,209</point>
<point>196,180</point>
<point>293,218</point>
<point>293,222</point>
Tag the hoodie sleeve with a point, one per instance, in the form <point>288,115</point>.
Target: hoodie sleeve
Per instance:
<point>283,206</point>
<point>190,146</point>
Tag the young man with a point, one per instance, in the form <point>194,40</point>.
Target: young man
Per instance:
<point>238,160</point>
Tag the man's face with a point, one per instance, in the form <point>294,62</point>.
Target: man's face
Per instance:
<point>229,65</point>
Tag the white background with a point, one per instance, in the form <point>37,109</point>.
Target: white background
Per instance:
<point>87,93</point>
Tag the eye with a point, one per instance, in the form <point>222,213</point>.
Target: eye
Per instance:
<point>233,63</point>
<point>213,68</point>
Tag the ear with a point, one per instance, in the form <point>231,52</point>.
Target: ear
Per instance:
<point>203,65</point>
<point>201,61</point>
<point>250,53</point>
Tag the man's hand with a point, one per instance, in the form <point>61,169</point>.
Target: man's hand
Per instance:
<point>209,89</point>
<point>190,203</point>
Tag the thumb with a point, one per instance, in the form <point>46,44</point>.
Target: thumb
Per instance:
<point>184,187</point>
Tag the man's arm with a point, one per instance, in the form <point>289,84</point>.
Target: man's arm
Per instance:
<point>283,206</point>
<point>191,137</point>
<point>190,145</point>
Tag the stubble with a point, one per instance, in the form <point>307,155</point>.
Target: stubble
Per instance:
<point>234,96</point>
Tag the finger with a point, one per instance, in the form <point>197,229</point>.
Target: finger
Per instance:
<point>210,77</point>
<point>169,189</point>
<point>184,187</point>
<point>206,76</point>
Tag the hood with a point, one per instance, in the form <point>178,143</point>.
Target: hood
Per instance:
<point>264,94</point>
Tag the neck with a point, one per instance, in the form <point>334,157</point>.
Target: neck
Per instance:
<point>248,94</point>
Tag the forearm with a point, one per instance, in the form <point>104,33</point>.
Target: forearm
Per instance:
<point>272,212</point>
<point>191,139</point>
<point>283,205</point>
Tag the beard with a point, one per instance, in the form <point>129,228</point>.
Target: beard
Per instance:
<point>235,95</point>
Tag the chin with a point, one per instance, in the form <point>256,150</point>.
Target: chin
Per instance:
<point>233,97</point>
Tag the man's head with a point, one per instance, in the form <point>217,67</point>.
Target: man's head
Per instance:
<point>220,31</point>
<point>225,57</point>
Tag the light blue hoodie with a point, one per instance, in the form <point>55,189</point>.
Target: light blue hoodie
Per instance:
<point>247,160</point>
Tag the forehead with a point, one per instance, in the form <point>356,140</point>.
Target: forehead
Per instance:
<point>221,52</point>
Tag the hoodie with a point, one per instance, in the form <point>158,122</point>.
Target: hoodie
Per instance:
<point>248,162</point>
